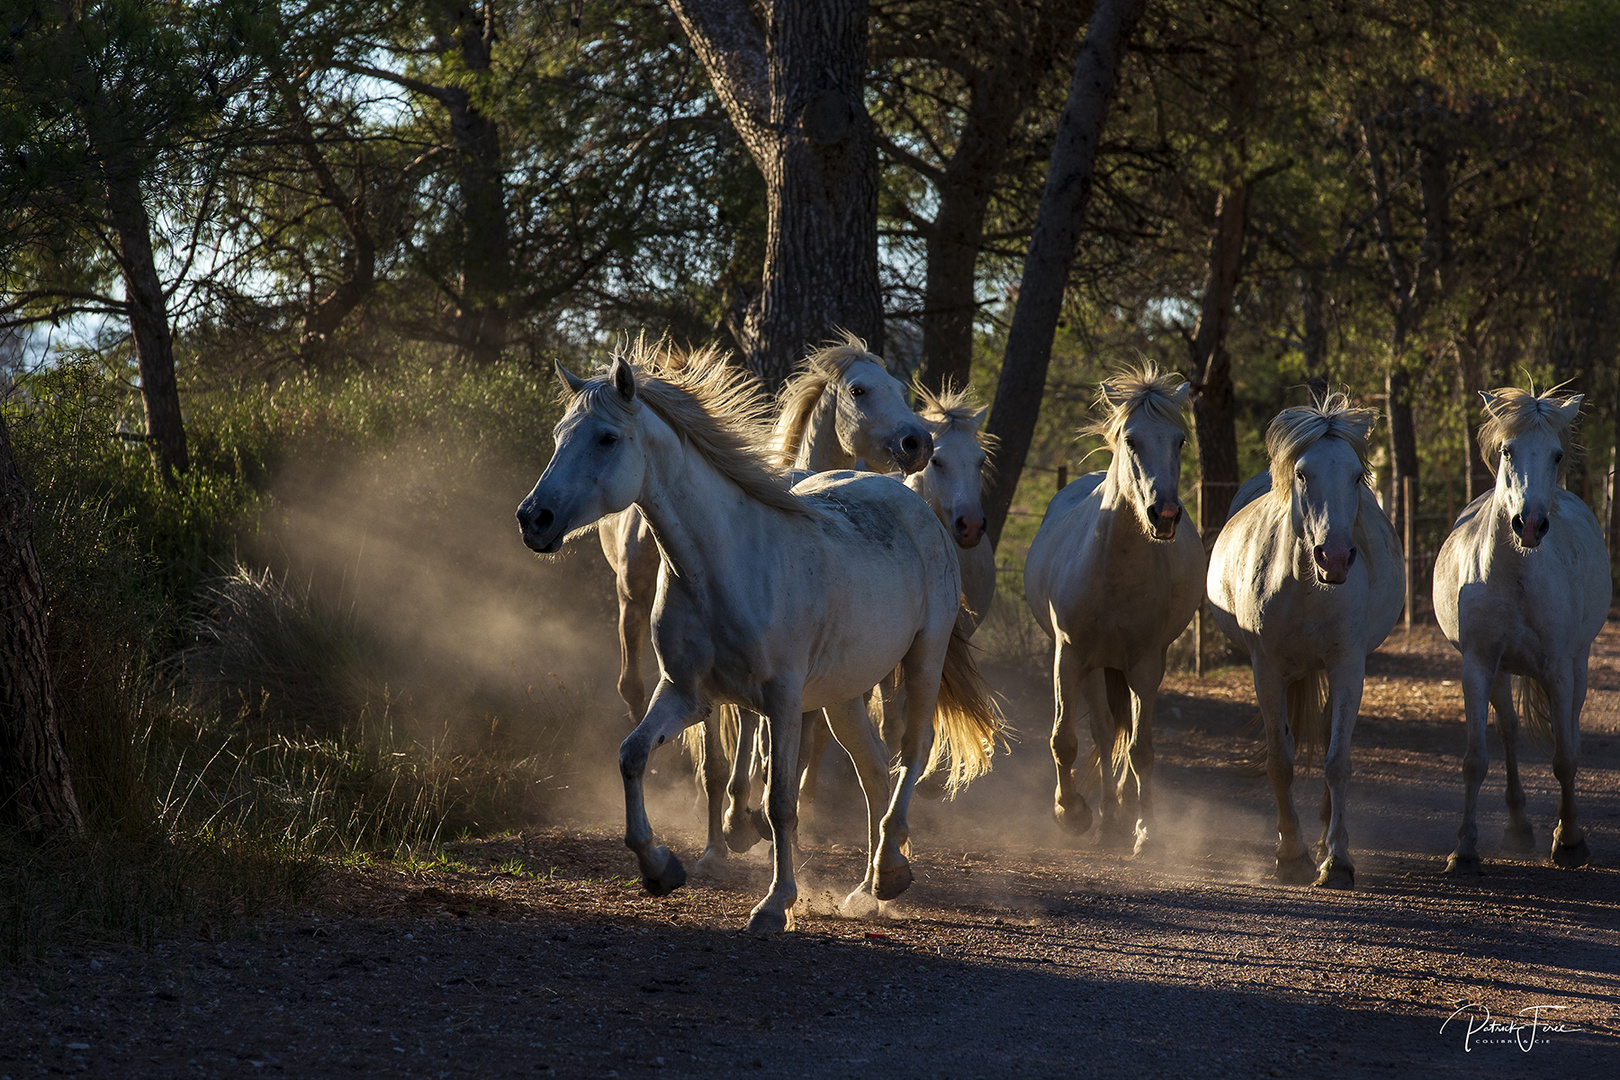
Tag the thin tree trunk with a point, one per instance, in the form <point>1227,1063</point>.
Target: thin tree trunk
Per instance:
<point>1051,248</point>
<point>794,91</point>
<point>148,317</point>
<point>1315,343</point>
<point>36,791</point>
<point>1214,412</point>
<point>1403,454</point>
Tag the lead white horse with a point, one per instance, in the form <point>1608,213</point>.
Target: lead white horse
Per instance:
<point>843,409</point>
<point>1521,587</point>
<point>775,600</point>
<point>1113,580</point>
<point>1307,577</point>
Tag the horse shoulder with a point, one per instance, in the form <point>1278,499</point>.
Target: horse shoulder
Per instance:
<point>1058,546</point>
<point>1251,489</point>
<point>1588,559</point>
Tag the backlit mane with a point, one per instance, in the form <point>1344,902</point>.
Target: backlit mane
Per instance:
<point>801,393</point>
<point>1512,412</point>
<point>715,408</point>
<point>954,409</point>
<point>1297,429</point>
<point>1125,392</point>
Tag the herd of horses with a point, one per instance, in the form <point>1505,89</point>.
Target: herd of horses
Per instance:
<point>783,582</point>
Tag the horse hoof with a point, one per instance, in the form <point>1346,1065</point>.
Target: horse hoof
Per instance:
<point>1570,856</point>
<point>892,881</point>
<point>766,920</point>
<point>860,904</point>
<point>1335,875</point>
<point>1463,864</point>
<point>1114,837</point>
<point>1295,871</point>
<point>1147,847</point>
<point>1520,838</point>
<point>742,831</point>
<point>1074,818</point>
<point>671,877</point>
<point>713,866</point>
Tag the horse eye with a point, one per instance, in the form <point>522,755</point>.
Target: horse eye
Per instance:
<point>857,391</point>
<point>1300,475</point>
<point>1558,457</point>
<point>607,438</point>
<point>936,463</point>
<point>1507,455</point>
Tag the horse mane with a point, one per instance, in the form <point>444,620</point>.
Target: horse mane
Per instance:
<point>1297,429</point>
<point>1512,412</point>
<point>954,409</point>
<point>800,394</point>
<point>715,408</point>
<point>1131,390</point>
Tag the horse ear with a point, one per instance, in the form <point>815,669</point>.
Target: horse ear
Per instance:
<point>1571,408</point>
<point>978,417</point>
<point>574,383</point>
<point>1115,398</point>
<point>1489,399</point>
<point>624,379</point>
<point>1181,393</point>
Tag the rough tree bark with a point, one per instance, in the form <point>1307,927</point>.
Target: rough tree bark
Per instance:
<point>1214,412</point>
<point>1051,248</point>
<point>36,791</point>
<point>793,90</point>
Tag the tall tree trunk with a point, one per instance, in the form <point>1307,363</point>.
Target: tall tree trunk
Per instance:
<point>36,791</point>
<point>148,316</point>
<point>794,91</point>
<point>485,309</point>
<point>1214,413</point>
<point>1051,248</point>
<point>1315,343</point>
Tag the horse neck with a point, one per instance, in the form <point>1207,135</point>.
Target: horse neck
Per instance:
<point>684,499</point>
<point>819,446</point>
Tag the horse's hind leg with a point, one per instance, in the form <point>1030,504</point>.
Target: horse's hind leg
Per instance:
<point>1144,681</point>
<point>1113,830</point>
<point>1569,843</point>
<point>774,913</point>
<point>716,770</point>
<point>670,713</point>
<point>1294,864</point>
<point>1069,806</point>
<point>853,729</point>
<point>1478,680</point>
<point>812,748</point>
<point>744,825</point>
<point>1520,835</point>
<point>920,673</point>
<point>637,588</point>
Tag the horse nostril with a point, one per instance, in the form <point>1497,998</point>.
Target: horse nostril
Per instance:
<point>1518,523</point>
<point>1351,561</point>
<point>1541,530</point>
<point>910,445</point>
<point>1320,555</point>
<point>542,520</point>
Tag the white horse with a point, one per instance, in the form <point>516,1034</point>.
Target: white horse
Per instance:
<point>1307,577</point>
<point>1113,580</point>
<point>1521,587</point>
<point>769,599</point>
<point>845,408</point>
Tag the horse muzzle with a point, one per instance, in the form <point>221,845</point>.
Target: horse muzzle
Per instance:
<point>911,449</point>
<point>1166,516</point>
<point>1531,528</point>
<point>1333,563</point>
<point>968,529</point>
<point>541,529</point>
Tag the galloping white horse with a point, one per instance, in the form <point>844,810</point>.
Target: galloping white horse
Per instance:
<point>769,599</point>
<point>1113,580</point>
<point>843,409</point>
<point>1307,577</point>
<point>1521,587</point>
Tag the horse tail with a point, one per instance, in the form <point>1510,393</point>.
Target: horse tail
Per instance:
<point>692,738</point>
<point>967,722</point>
<point>1306,720</point>
<point>1535,711</point>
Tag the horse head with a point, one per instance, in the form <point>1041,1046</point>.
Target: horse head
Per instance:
<point>598,467</point>
<point>1326,503</point>
<point>954,479</point>
<point>1525,439</point>
<point>1147,433</point>
<point>874,423</point>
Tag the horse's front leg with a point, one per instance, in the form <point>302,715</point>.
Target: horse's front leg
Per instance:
<point>1069,805</point>
<point>782,703</point>
<point>744,825</point>
<point>1344,705</point>
<point>1569,843</point>
<point>853,729</point>
<point>1520,835</point>
<point>1144,680</point>
<point>1294,864</point>
<point>670,713</point>
<point>1478,678</point>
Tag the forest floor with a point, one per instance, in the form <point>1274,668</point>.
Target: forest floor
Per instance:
<point>1018,952</point>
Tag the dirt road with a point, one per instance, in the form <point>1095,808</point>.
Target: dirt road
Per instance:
<point>1017,953</point>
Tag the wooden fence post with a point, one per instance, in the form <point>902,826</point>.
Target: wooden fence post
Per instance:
<point>1063,476</point>
<point>1409,504</point>
<point>1198,619</point>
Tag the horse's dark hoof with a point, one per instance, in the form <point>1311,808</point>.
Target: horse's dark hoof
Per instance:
<point>1114,836</point>
<point>1335,875</point>
<point>1074,818</point>
<point>1147,847</point>
<point>742,831</point>
<point>892,881</point>
<point>1519,838</point>
<point>1463,865</point>
<point>1570,856</point>
<point>666,880</point>
<point>1295,871</point>
<point>766,920</point>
